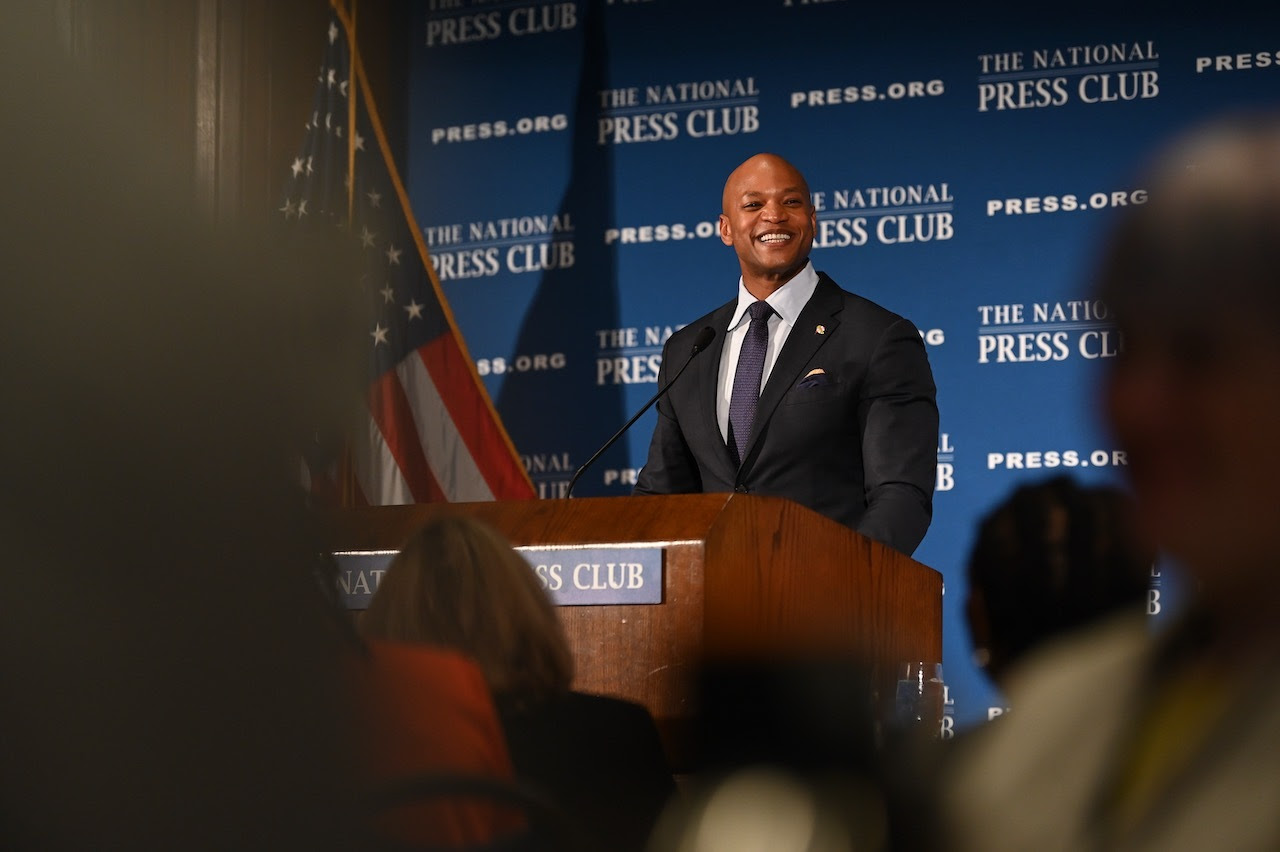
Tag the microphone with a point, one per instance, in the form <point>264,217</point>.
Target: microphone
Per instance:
<point>705,336</point>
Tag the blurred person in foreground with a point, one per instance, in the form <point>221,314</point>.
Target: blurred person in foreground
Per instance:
<point>458,583</point>
<point>1126,737</point>
<point>168,654</point>
<point>783,758</point>
<point>1053,557</point>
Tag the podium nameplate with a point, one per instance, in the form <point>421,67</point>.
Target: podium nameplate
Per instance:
<point>573,576</point>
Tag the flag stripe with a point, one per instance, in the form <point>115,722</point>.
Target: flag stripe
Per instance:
<point>379,475</point>
<point>503,474</point>
<point>394,417</point>
<point>439,435</point>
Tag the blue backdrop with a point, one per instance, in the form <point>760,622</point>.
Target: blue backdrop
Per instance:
<point>566,161</point>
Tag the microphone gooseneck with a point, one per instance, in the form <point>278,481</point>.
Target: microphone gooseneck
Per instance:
<point>705,336</point>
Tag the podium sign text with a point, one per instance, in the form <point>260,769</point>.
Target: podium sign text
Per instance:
<point>573,576</point>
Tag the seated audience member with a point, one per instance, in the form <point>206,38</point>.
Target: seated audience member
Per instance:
<point>783,758</point>
<point>1053,557</point>
<point>1124,737</point>
<point>457,583</point>
<point>424,714</point>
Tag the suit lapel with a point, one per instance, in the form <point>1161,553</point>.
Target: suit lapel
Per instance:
<point>802,344</point>
<point>709,386</point>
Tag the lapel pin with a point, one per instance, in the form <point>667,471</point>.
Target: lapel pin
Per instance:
<point>822,329</point>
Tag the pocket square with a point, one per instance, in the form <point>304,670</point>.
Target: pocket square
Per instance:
<point>816,377</point>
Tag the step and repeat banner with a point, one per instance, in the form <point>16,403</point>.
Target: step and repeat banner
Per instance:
<point>566,159</point>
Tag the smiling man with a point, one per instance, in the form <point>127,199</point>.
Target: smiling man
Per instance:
<point>807,391</point>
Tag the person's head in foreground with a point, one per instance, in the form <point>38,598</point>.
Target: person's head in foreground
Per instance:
<point>1193,280</point>
<point>459,583</point>
<point>1052,557</point>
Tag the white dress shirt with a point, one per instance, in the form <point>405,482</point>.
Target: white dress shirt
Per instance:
<point>787,302</point>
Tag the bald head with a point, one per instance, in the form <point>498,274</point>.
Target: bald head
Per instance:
<point>758,167</point>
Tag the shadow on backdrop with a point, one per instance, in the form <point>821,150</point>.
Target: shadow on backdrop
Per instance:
<point>536,406</point>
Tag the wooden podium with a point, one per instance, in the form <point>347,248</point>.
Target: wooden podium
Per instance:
<point>743,577</point>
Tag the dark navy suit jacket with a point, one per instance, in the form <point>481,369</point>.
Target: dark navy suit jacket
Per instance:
<point>847,423</point>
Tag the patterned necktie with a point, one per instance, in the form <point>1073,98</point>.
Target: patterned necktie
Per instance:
<point>746,381</point>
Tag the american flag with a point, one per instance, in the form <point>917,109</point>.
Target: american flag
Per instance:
<point>432,433</point>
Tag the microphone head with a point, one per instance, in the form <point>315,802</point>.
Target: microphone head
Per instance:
<point>704,337</point>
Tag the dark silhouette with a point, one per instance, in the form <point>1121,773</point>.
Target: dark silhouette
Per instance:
<point>1124,737</point>
<point>1053,557</point>
<point>170,664</point>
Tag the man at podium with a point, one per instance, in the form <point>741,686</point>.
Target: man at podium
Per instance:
<point>807,391</point>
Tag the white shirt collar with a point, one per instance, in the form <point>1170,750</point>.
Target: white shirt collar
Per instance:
<point>787,301</point>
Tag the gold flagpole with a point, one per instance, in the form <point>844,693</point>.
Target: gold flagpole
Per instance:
<point>352,93</point>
